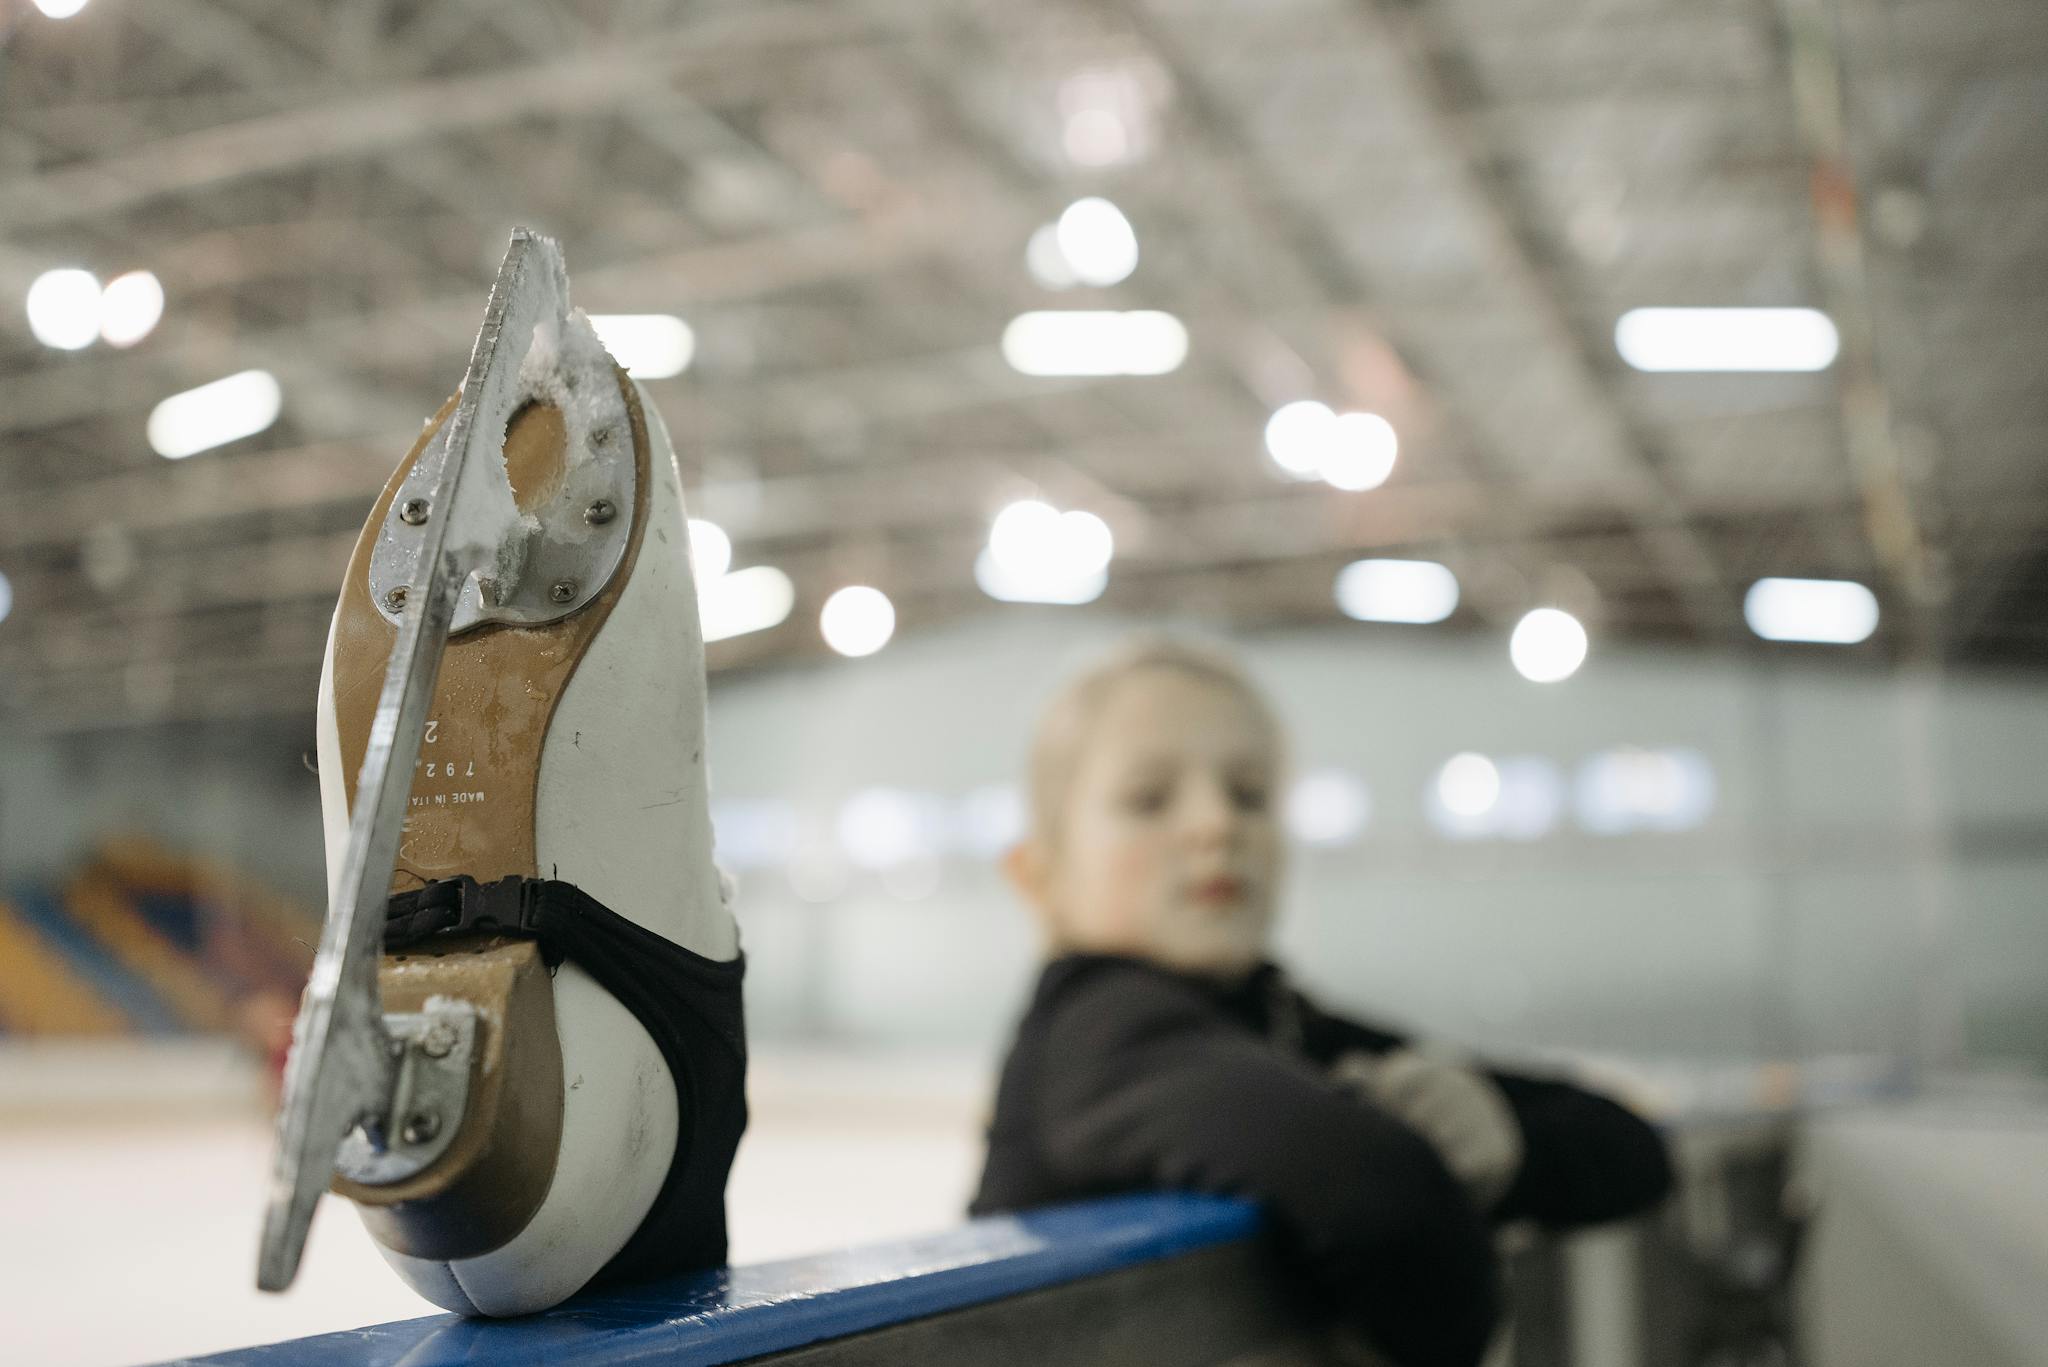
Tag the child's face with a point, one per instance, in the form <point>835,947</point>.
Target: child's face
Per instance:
<point>1169,848</point>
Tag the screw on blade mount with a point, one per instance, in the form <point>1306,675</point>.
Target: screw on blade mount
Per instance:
<point>344,1063</point>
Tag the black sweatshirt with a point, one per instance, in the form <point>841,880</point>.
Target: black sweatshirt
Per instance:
<point>1126,1074</point>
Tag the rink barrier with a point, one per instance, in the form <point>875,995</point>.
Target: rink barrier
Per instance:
<point>1176,1274</point>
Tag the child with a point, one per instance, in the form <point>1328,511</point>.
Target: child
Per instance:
<point>1162,1049</point>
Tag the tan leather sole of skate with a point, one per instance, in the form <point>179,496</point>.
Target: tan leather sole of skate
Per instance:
<point>472,812</point>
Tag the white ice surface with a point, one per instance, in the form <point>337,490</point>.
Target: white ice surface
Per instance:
<point>127,1241</point>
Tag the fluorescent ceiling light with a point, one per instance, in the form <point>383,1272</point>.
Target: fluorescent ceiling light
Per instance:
<point>1037,554</point>
<point>857,620</point>
<point>1095,342</point>
<point>1296,435</point>
<point>710,550</point>
<point>1360,454</point>
<point>1664,339</point>
<point>1035,539</point>
<point>1548,645</point>
<point>1097,241</point>
<point>1826,611</point>
<point>1349,451</point>
<point>64,309</point>
<point>60,9</point>
<point>1006,586</point>
<point>1414,591</point>
<point>130,307</point>
<point>752,599</point>
<point>215,414</point>
<point>6,597</point>
<point>651,346</point>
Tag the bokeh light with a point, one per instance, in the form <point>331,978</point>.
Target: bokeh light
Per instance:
<point>1548,645</point>
<point>64,309</point>
<point>857,620</point>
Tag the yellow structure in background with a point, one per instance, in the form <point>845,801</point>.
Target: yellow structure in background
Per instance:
<point>44,995</point>
<point>108,913</point>
<point>144,939</point>
<point>256,920</point>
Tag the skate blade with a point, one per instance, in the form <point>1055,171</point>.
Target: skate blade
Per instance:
<point>342,1068</point>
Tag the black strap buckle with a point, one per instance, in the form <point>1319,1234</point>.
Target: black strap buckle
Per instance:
<point>510,906</point>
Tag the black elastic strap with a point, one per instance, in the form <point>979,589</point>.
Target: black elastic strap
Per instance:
<point>509,906</point>
<point>688,1004</point>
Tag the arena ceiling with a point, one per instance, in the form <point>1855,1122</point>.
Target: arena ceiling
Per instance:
<point>1432,210</point>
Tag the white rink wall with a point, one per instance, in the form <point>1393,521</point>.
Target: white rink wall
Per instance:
<point>1866,879</point>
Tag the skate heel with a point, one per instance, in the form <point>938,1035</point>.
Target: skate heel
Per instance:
<point>479,1185</point>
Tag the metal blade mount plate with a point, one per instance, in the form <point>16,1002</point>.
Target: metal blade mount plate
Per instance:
<point>573,543</point>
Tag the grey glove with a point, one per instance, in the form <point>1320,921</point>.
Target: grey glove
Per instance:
<point>1456,1108</point>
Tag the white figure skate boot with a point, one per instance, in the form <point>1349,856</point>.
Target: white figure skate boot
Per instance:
<point>556,931</point>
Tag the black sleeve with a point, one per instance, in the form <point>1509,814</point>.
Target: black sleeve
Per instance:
<point>1585,1158</point>
<point>1326,1038</point>
<point>1148,1086</point>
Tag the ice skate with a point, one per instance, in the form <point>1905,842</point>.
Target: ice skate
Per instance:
<point>520,1053</point>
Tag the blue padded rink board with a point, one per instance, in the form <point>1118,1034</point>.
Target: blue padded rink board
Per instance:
<point>732,1313</point>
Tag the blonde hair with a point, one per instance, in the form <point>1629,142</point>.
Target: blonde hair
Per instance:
<point>1065,725</point>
